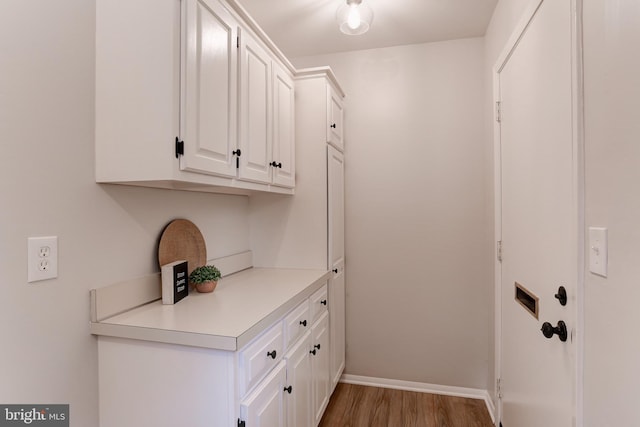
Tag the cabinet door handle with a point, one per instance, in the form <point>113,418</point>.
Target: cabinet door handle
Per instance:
<point>276,165</point>
<point>303,323</point>
<point>317,346</point>
<point>323,302</point>
<point>335,270</point>
<point>313,352</point>
<point>288,389</point>
<point>333,126</point>
<point>272,354</point>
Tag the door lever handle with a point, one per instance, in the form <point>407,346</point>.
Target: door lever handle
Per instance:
<point>562,295</point>
<point>548,330</point>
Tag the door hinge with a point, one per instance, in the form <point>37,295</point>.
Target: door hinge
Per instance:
<point>241,423</point>
<point>498,111</point>
<point>179,147</point>
<point>237,153</point>
<point>499,388</point>
<point>499,250</point>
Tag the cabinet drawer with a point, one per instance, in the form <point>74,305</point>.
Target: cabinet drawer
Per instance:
<point>259,357</point>
<point>296,324</point>
<point>318,302</point>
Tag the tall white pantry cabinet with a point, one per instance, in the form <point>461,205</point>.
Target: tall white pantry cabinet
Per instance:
<point>307,230</point>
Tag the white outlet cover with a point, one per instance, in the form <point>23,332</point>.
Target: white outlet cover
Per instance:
<point>42,258</point>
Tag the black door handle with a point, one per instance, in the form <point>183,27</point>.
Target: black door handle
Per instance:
<point>272,354</point>
<point>548,330</point>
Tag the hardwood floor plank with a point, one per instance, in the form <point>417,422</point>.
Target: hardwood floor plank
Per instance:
<point>362,406</point>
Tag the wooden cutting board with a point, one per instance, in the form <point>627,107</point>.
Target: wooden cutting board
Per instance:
<point>181,239</point>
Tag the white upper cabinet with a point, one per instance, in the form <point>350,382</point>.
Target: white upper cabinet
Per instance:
<point>255,111</point>
<point>266,117</point>
<point>192,99</point>
<point>209,84</point>
<point>284,157</point>
<point>335,118</point>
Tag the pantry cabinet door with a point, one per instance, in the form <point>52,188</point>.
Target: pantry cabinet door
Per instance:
<point>208,88</point>
<point>255,111</point>
<point>335,119</point>
<point>284,156</point>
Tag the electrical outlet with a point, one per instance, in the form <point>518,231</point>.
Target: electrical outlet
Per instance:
<point>42,258</point>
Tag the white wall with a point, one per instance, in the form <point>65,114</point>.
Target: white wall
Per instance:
<point>612,140</point>
<point>418,277</point>
<point>47,187</point>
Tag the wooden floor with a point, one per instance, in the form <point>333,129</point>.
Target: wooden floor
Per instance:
<point>361,406</point>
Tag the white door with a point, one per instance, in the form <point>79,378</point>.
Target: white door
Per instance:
<point>255,111</point>
<point>335,178</point>
<point>209,88</point>
<point>284,155</point>
<point>538,221</point>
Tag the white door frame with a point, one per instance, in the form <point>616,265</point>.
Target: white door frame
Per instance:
<point>577,189</point>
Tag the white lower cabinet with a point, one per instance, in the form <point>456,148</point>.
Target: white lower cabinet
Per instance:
<point>302,397</point>
<point>279,379</point>
<point>264,407</point>
<point>297,397</point>
<point>320,366</point>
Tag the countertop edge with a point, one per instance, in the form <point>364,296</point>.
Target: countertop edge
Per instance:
<point>216,342</point>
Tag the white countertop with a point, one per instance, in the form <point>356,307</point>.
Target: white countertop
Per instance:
<point>242,305</point>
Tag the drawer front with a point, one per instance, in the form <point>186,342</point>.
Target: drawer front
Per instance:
<point>318,303</point>
<point>259,357</point>
<point>297,323</point>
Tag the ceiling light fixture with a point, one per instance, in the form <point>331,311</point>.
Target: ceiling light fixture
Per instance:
<point>354,17</point>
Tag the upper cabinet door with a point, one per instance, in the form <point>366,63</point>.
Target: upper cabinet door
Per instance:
<point>284,157</point>
<point>208,88</point>
<point>255,111</point>
<point>335,118</point>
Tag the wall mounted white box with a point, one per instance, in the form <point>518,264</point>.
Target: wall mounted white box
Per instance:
<point>598,251</point>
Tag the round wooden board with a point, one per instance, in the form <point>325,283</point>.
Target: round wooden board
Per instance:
<point>181,239</point>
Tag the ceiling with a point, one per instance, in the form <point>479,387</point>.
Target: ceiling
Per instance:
<point>309,27</point>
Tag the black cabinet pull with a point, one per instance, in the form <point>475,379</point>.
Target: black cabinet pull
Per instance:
<point>335,270</point>
<point>288,389</point>
<point>272,354</point>
<point>237,153</point>
<point>317,346</point>
<point>303,323</point>
<point>333,126</point>
<point>323,302</point>
<point>313,352</point>
<point>276,165</point>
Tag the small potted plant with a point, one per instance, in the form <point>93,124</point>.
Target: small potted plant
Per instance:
<point>205,278</point>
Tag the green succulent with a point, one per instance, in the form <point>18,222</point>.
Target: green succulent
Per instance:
<point>206,273</point>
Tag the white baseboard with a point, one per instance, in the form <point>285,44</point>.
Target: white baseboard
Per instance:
<point>471,393</point>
